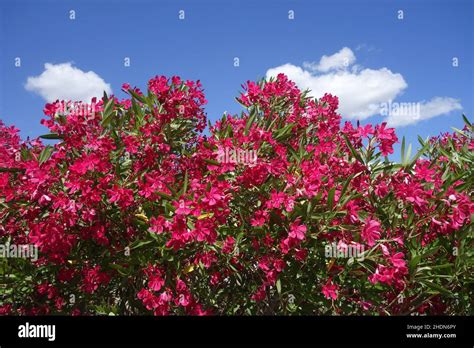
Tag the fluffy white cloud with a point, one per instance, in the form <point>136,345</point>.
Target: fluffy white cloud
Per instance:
<point>362,92</point>
<point>66,82</point>
<point>403,114</point>
<point>339,60</point>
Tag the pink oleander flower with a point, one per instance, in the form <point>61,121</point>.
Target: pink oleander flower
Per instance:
<point>183,207</point>
<point>330,290</point>
<point>371,231</point>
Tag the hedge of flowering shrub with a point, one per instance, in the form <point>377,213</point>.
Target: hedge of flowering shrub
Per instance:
<point>135,211</point>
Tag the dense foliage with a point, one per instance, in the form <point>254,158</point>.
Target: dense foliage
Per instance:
<point>134,211</point>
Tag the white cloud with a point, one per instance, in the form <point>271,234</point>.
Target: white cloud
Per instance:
<point>339,60</point>
<point>66,82</point>
<point>404,116</point>
<point>361,91</point>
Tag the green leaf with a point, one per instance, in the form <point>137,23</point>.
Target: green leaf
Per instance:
<point>11,170</point>
<point>45,154</point>
<point>406,156</point>
<point>418,154</point>
<point>278,286</point>
<point>154,235</point>
<point>294,154</point>
<point>458,131</point>
<point>403,151</point>
<point>414,262</point>
<point>108,109</point>
<point>331,197</point>
<point>139,244</point>
<point>164,195</point>
<point>309,208</point>
<point>283,132</point>
<point>351,148</point>
<point>430,252</point>
<point>186,182</point>
<point>137,96</point>
<point>51,136</point>
<point>437,288</point>
<point>421,141</point>
<point>119,268</point>
<point>210,161</point>
<point>346,185</point>
<point>466,121</point>
<point>409,151</point>
<point>250,121</point>
<point>138,112</point>
<point>446,265</point>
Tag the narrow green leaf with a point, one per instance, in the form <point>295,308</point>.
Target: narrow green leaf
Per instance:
<point>331,193</point>
<point>138,112</point>
<point>210,161</point>
<point>284,132</point>
<point>109,107</point>
<point>414,262</point>
<point>139,244</point>
<point>51,136</point>
<point>403,150</point>
<point>309,208</point>
<point>466,121</point>
<point>278,286</point>
<point>186,181</point>
<point>346,184</point>
<point>403,155</point>
<point>106,115</point>
<point>437,288</point>
<point>119,268</point>
<point>164,195</point>
<point>458,131</point>
<point>11,170</point>
<point>352,150</point>
<point>137,96</point>
<point>408,154</point>
<point>421,141</point>
<point>418,154</point>
<point>446,265</point>
<point>45,154</point>
<point>250,121</point>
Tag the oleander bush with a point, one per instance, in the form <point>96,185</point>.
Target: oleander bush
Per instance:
<point>135,210</point>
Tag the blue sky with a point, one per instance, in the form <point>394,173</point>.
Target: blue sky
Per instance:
<point>406,60</point>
